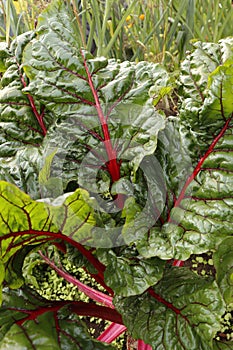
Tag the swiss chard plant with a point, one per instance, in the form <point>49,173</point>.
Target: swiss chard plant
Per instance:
<point>128,171</point>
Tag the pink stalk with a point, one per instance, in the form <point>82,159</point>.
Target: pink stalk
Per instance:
<point>113,165</point>
<point>143,346</point>
<point>200,163</point>
<point>196,172</point>
<point>178,263</point>
<point>90,292</point>
<point>34,234</point>
<point>112,332</point>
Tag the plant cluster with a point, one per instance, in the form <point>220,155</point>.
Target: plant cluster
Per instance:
<point>126,171</point>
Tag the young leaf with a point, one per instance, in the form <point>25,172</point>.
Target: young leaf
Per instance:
<point>183,311</point>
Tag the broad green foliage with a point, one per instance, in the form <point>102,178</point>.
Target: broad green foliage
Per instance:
<point>131,276</point>
<point>190,300</point>
<point>92,164</point>
<point>203,212</point>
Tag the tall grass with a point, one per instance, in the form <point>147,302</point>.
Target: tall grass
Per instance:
<point>168,26</point>
<point>155,30</point>
<point>17,17</point>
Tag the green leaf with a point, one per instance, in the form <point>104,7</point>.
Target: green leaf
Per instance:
<point>116,100</point>
<point>223,262</point>
<point>24,221</point>
<point>20,131</point>
<point>49,186</point>
<point>132,276</point>
<point>218,103</point>
<point>195,90</point>
<point>4,54</point>
<point>13,272</point>
<point>184,313</point>
<point>52,325</point>
<point>203,211</point>
<point>155,243</point>
<point>18,122</point>
<point>23,168</point>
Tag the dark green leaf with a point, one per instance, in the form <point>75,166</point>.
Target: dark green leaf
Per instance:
<point>195,74</point>
<point>55,65</point>
<point>203,212</point>
<point>185,314</point>
<point>20,131</point>
<point>4,54</point>
<point>132,276</point>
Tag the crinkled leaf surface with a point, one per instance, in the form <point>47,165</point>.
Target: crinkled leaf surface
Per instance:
<point>223,262</point>
<point>185,317</point>
<point>21,134</point>
<point>196,71</point>
<point>4,54</point>
<point>203,211</point>
<point>132,276</point>
<point>96,127</point>
<point>49,325</point>
<point>104,111</point>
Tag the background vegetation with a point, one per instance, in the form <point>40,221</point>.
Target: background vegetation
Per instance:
<point>154,30</point>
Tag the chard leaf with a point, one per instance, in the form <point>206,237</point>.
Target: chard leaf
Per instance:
<point>28,321</point>
<point>132,276</point>
<point>203,211</point>
<point>13,272</point>
<point>4,54</point>
<point>18,122</point>
<point>196,71</point>
<point>2,276</point>
<point>25,222</point>
<point>105,116</point>
<point>23,169</point>
<point>23,124</point>
<point>223,262</point>
<point>172,316</point>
